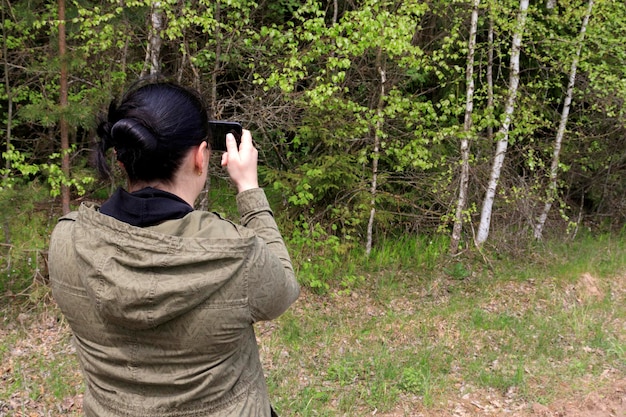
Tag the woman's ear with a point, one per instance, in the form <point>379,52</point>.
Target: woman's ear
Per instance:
<point>201,156</point>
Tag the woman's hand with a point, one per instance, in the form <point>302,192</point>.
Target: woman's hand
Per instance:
<point>241,163</point>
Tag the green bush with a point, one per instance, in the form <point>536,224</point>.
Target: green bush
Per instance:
<point>27,216</point>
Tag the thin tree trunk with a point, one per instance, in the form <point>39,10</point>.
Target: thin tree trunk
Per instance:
<point>8,91</point>
<point>213,110</point>
<point>65,143</point>
<point>218,57</point>
<point>152,63</point>
<point>554,168</point>
<point>501,147</point>
<point>490,75</point>
<point>467,127</point>
<point>186,59</point>
<point>183,60</point>
<point>376,156</point>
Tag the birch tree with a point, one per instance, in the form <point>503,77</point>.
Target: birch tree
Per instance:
<point>489,75</point>
<point>152,63</point>
<point>554,167</point>
<point>354,113</point>
<point>376,154</point>
<point>503,133</point>
<point>467,128</point>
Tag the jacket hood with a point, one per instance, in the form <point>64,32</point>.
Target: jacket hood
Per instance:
<point>140,278</point>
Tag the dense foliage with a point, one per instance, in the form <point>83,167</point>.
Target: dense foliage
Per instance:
<point>355,105</point>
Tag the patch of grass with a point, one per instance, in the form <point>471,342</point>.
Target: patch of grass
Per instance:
<point>422,376</point>
<point>39,368</point>
<point>311,402</point>
<point>523,332</point>
<point>408,252</point>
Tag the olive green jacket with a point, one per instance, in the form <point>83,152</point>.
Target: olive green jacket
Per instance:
<point>163,316</point>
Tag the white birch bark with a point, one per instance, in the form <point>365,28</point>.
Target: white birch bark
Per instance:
<point>152,63</point>
<point>379,122</point>
<point>467,127</point>
<point>554,167</point>
<point>490,75</point>
<point>503,133</point>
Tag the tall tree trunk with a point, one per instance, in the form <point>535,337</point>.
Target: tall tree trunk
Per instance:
<point>65,143</point>
<point>152,64</point>
<point>467,127</point>
<point>213,110</point>
<point>7,86</point>
<point>490,75</point>
<point>503,141</point>
<point>8,90</point>
<point>376,154</point>
<point>554,168</point>
<point>186,59</point>
<point>217,64</point>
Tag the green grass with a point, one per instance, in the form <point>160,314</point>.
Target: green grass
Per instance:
<point>414,332</point>
<point>39,368</point>
<point>406,328</point>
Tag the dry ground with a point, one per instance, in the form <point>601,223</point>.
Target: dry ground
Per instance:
<point>34,339</point>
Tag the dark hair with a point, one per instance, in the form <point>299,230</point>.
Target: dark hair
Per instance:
<point>151,130</point>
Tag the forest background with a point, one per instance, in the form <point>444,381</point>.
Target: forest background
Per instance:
<point>451,170</point>
<point>483,121</point>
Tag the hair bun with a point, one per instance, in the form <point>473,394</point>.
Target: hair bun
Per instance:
<point>104,131</point>
<point>127,131</point>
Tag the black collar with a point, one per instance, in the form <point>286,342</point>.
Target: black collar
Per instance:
<point>146,207</point>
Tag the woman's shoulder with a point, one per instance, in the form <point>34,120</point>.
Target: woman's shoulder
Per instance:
<point>203,224</point>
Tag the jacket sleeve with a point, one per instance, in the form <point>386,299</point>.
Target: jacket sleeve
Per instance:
<point>272,284</point>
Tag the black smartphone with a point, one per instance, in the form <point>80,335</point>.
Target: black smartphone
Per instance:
<point>219,130</point>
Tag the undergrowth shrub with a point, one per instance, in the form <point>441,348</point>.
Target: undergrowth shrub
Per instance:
<point>26,218</point>
<point>317,256</point>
